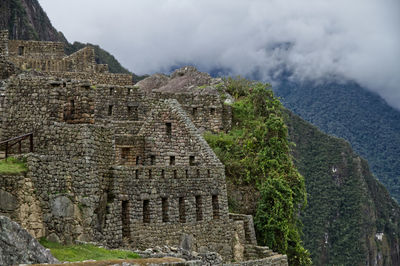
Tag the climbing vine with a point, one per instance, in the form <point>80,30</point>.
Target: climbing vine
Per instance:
<point>257,151</point>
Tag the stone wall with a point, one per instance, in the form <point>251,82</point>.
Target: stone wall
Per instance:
<point>82,61</point>
<point>19,201</point>
<point>36,49</point>
<point>94,77</point>
<point>115,166</point>
<point>49,58</point>
<point>32,103</point>
<point>163,203</point>
<point>3,43</point>
<point>70,172</point>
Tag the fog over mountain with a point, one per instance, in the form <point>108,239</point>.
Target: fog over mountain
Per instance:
<point>358,40</point>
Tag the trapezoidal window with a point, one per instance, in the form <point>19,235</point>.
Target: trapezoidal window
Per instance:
<point>182,211</point>
<point>164,208</point>
<point>21,50</point>
<point>125,152</point>
<point>110,110</point>
<point>133,113</point>
<point>125,219</point>
<point>199,208</point>
<point>191,160</point>
<point>111,91</point>
<point>194,111</point>
<point>146,211</point>
<point>171,160</point>
<point>212,111</point>
<point>215,207</point>
<point>69,113</point>
<point>168,129</point>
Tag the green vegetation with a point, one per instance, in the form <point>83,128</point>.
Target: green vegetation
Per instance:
<point>83,252</point>
<point>12,166</point>
<point>346,204</point>
<point>257,151</point>
<point>361,117</point>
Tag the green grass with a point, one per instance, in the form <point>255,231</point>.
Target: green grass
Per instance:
<point>81,252</point>
<point>12,166</point>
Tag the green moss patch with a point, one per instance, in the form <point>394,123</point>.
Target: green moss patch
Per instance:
<point>83,252</point>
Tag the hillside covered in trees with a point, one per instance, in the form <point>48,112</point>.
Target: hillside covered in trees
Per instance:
<point>349,111</point>
<point>349,219</point>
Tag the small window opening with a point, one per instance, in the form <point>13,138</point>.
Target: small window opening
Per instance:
<point>125,153</point>
<point>125,219</point>
<point>208,173</point>
<point>129,91</point>
<point>175,174</point>
<point>110,110</point>
<point>137,174</point>
<point>137,160</point>
<point>212,111</point>
<point>152,160</point>
<point>168,129</point>
<point>164,207</point>
<point>21,50</point>
<point>187,173</point>
<point>111,91</point>
<point>150,174</point>
<point>171,160</point>
<point>72,106</point>
<point>129,108</point>
<point>146,211</point>
<point>198,173</point>
<point>194,111</point>
<point>182,211</point>
<point>162,173</point>
<point>199,208</point>
<point>191,160</point>
<point>215,206</point>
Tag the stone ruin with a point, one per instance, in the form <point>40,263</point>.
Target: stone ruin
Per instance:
<point>115,163</point>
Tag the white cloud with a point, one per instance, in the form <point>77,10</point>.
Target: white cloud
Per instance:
<point>359,39</point>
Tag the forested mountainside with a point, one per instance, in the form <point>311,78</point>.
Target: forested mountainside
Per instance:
<point>350,218</point>
<point>26,20</point>
<point>350,111</point>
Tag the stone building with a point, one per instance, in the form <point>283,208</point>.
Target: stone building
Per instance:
<point>117,164</point>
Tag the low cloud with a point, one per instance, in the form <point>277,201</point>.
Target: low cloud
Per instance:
<point>358,39</point>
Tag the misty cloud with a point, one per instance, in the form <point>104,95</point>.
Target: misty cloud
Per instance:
<point>358,39</point>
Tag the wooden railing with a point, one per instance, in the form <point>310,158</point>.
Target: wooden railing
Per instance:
<point>11,142</point>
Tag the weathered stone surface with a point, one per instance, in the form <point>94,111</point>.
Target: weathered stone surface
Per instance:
<point>62,206</point>
<point>8,202</point>
<point>18,247</point>
<point>120,164</point>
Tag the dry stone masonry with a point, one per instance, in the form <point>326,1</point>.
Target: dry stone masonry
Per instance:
<point>118,164</point>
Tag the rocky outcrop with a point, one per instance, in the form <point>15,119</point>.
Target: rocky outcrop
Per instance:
<point>182,80</point>
<point>17,246</point>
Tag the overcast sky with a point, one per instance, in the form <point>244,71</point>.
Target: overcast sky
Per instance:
<point>359,39</point>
